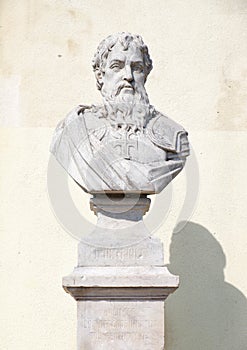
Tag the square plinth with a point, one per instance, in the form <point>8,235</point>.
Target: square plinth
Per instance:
<point>118,325</point>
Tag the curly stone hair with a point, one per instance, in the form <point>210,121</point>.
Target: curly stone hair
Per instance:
<point>107,45</point>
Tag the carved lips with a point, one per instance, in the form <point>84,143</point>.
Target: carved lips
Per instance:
<point>126,87</point>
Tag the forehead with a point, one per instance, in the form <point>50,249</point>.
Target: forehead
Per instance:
<point>133,53</point>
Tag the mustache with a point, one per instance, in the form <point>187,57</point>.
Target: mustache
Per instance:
<point>139,94</point>
<point>122,85</point>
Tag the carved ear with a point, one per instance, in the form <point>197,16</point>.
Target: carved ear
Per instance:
<point>99,76</point>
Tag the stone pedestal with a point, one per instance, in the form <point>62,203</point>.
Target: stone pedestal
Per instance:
<point>120,283</point>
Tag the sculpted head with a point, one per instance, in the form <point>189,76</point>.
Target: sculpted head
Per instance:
<point>121,64</point>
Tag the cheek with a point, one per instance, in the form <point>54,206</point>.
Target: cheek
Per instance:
<point>117,76</point>
<point>112,77</point>
<point>139,76</point>
<point>139,79</point>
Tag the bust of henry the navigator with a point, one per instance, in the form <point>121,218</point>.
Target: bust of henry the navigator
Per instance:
<point>125,144</point>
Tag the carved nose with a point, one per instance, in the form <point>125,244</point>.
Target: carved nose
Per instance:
<point>128,74</point>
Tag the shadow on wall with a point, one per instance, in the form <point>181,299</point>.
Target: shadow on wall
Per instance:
<point>205,313</point>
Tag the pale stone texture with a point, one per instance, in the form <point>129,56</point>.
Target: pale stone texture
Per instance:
<point>146,252</point>
<point>91,151</point>
<point>36,249</point>
<point>130,280</point>
<point>121,325</point>
<point>199,46</point>
<point>121,283</point>
<point>125,144</point>
<point>120,152</point>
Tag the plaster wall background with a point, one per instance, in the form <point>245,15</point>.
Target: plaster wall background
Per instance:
<point>199,79</point>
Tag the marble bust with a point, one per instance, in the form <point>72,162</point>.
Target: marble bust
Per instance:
<point>125,144</point>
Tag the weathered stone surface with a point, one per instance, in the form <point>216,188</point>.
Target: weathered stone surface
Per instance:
<point>120,289</point>
<point>148,251</point>
<point>120,325</point>
<point>120,152</point>
<point>121,283</point>
<point>120,237</point>
<point>124,145</point>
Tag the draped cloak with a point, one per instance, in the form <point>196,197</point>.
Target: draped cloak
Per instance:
<point>84,144</point>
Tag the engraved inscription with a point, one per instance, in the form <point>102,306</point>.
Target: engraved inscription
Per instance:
<point>116,324</point>
<point>137,255</point>
<point>125,253</point>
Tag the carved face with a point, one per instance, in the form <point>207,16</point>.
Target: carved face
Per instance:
<point>124,71</point>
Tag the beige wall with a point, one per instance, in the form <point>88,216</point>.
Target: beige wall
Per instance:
<point>199,53</point>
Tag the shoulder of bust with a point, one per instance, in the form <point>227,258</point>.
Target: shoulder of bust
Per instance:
<point>94,120</point>
<point>167,134</point>
<point>90,113</point>
<point>78,124</point>
<point>83,116</point>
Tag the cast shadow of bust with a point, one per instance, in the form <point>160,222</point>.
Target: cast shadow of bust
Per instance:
<point>205,313</point>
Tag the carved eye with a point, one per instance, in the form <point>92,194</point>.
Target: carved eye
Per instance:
<point>116,66</point>
<point>138,68</point>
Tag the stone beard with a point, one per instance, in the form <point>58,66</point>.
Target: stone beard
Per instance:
<point>124,145</point>
<point>128,109</point>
